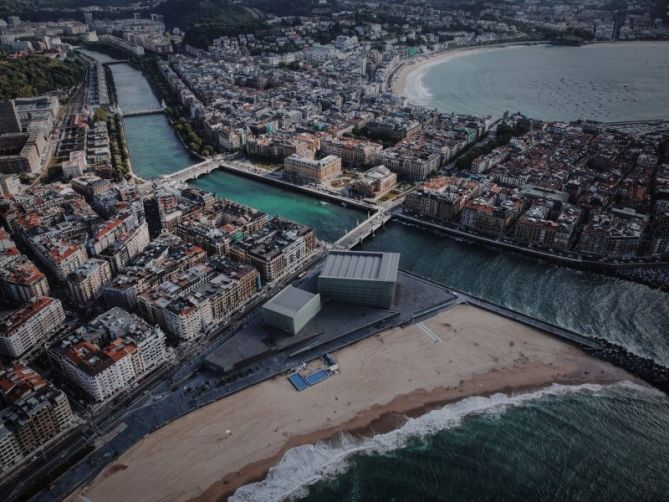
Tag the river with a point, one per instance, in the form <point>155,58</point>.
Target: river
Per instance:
<point>155,149</point>
<point>586,443</point>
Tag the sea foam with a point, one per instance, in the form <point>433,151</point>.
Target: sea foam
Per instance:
<point>305,465</point>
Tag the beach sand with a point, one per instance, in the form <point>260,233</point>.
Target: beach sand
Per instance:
<point>401,371</point>
<point>403,82</point>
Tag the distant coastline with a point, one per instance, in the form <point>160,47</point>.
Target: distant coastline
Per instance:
<point>406,81</point>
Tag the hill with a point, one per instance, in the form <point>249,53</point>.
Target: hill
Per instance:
<point>204,20</point>
<point>35,75</point>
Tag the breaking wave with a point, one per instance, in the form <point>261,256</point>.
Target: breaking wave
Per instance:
<point>305,465</point>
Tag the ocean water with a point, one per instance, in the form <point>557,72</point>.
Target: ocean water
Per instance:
<point>628,313</point>
<point>585,442</point>
<point>609,82</point>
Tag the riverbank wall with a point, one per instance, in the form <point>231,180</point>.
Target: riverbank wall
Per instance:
<point>345,201</point>
<point>577,262</point>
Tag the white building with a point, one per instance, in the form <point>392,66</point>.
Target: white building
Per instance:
<point>30,326</point>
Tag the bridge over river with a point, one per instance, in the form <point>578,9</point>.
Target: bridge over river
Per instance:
<point>376,218</point>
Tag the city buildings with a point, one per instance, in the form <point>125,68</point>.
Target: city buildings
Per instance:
<point>279,248</point>
<point>200,298</point>
<point>30,326</point>
<point>360,277</point>
<point>303,170</point>
<point>109,354</point>
<point>33,413</point>
<point>163,259</point>
<point>215,227</point>
<point>441,199</point>
<point>86,282</point>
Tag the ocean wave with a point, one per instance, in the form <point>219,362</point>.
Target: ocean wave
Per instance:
<point>305,465</point>
<point>415,89</point>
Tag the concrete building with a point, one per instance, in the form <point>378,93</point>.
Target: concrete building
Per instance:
<point>22,152</point>
<point>360,277</point>
<point>291,309</point>
<point>86,282</point>
<point>304,170</point>
<point>42,109</point>
<point>10,184</point>
<point>34,412</point>
<point>30,326</point>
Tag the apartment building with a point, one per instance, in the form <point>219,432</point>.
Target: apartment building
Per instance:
<point>206,295</point>
<point>214,228</point>
<point>20,279</point>
<point>441,199</point>
<point>109,354</point>
<point>34,412</point>
<point>86,282</point>
<point>352,152</point>
<point>161,260</point>
<point>277,249</point>
<point>30,326</point>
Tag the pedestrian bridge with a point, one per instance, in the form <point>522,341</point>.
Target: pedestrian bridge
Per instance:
<point>364,230</point>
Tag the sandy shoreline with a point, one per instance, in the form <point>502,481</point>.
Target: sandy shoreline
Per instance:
<point>401,82</point>
<point>404,80</point>
<point>399,372</point>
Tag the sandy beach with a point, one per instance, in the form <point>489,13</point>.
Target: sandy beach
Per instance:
<point>402,371</point>
<point>406,75</point>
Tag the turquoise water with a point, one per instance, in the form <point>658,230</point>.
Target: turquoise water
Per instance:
<point>602,82</point>
<point>329,220</point>
<point>154,147</point>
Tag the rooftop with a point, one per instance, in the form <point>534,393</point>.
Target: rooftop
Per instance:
<point>361,265</point>
<point>289,301</point>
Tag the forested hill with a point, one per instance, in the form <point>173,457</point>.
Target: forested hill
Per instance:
<point>204,20</point>
<point>17,7</point>
<point>35,75</point>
